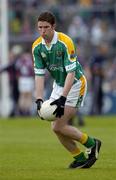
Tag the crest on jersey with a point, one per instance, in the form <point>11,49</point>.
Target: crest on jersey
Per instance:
<point>59,53</point>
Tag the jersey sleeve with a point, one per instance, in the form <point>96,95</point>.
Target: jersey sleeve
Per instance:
<point>39,67</point>
<point>70,59</point>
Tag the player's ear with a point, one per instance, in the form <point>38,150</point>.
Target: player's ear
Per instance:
<point>54,26</point>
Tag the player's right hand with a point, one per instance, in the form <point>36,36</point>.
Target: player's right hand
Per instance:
<point>39,103</point>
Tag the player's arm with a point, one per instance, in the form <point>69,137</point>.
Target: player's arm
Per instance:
<point>39,70</point>
<point>68,83</point>
<point>39,87</point>
<point>70,59</point>
<point>70,66</point>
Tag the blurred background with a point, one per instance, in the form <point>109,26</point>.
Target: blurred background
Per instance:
<point>92,26</point>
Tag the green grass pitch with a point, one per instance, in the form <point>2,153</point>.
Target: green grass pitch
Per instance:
<point>30,150</point>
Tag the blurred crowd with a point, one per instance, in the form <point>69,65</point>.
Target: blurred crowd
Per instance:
<point>90,23</point>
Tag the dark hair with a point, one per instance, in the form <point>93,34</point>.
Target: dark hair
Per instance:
<point>48,17</point>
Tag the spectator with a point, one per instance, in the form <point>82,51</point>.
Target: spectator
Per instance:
<point>97,78</point>
<point>78,29</point>
<point>11,68</point>
<point>25,83</point>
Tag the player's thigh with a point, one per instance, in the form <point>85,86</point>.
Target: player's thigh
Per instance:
<point>69,113</point>
<point>75,96</point>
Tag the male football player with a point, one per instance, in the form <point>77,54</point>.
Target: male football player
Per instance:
<point>56,52</point>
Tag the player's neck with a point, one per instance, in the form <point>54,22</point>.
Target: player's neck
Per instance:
<point>49,40</point>
<point>48,43</point>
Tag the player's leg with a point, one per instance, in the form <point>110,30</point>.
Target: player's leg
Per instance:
<point>80,159</point>
<point>68,143</point>
<point>67,134</point>
<point>61,126</point>
<point>93,153</point>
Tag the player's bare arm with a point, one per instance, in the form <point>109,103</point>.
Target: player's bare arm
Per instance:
<point>68,83</point>
<point>39,86</point>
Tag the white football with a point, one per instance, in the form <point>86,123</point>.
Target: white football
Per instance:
<point>46,111</point>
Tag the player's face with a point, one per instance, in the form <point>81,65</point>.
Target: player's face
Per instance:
<point>46,30</point>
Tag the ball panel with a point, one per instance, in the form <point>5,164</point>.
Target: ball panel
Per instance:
<point>47,110</point>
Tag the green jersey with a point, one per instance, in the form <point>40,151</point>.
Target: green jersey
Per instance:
<point>60,58</point>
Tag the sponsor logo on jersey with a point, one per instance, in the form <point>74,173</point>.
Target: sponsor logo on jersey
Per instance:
<point>39,71</point>
<point>54,67</point>
<point>71,66</point>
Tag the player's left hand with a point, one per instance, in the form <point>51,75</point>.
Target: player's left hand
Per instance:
<point>60,106</point>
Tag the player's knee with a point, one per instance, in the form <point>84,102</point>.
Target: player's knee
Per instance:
<point>56,128</point>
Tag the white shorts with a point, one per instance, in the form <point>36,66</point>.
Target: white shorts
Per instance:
<point>26,84</point>
<point>76,95</point>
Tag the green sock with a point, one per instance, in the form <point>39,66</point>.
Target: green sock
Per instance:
<point>89,143</point>
<point>80,157</point>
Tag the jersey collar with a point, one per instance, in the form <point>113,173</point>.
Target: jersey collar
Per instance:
<point>54,40</point>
